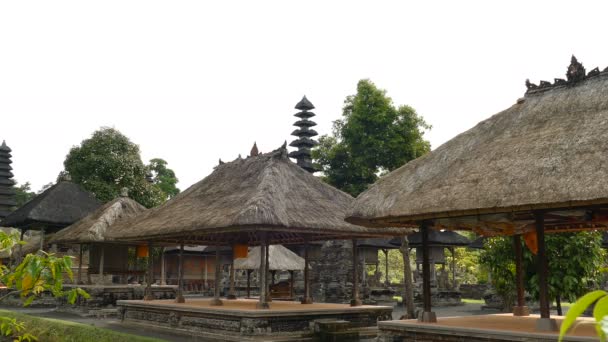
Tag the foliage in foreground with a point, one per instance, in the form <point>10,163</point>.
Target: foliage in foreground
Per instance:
<point>35,274</point>
<point>600,313</point>
<point>53,330</point>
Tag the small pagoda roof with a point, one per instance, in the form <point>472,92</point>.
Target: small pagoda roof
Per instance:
<point>93,227</point>
<point>380,243</point>
<point>246,198</point>
<point>545,153</point>
<point>436,239</point>
<point>58,206</point>
<point>280,258</point>
<point>477,243</point>
<point>304,104</point>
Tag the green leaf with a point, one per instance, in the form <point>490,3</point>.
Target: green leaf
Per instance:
<point>599,312</point>
<point>577,309</point>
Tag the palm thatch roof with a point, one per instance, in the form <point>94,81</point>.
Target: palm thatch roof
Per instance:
<point>548,151</point>
<point>436,239</point>
<point>58,206</point>
<point>263,193</point>
<point>280,258</point>
<point>93,227</point>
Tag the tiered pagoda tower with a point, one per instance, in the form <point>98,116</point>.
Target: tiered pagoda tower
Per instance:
<point>7,192</point>
<point>304,133</point>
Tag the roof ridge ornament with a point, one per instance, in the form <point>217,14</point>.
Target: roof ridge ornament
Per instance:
<point>576,73</point>
<point>254,150</point>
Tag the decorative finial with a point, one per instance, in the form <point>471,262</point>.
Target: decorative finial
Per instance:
<point>124,192</point>
<point>576,71</point>
<point>221,162</point>
<point>254,150</point>
<point>239,157</point>
<point>304,104</point>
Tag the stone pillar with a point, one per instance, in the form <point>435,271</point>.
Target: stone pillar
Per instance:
<point>216,301</point>
<point>544,323</point>
<point>427,314</point>
<point>163,275</point>
<point>179,297</point>
<point>355,301</point>
<point>249,283</point>
<point>520,309</point>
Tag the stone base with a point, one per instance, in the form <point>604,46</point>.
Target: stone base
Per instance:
<point>239,320</point>
<point>521,311</point>
<point>546,324</point>
<point>427,317</point>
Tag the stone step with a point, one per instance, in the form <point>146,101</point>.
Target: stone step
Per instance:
<point>331,325</point>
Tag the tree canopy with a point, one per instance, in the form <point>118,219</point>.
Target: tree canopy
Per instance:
<point>23,194</point>
<point>163,177</point>
<point>373,136</point>
<point>107,162</point>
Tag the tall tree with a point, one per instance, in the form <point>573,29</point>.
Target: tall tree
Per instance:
<point>163,177</point>
<point>373,136</point>
<point>23,194</point>
<point>107,162</point>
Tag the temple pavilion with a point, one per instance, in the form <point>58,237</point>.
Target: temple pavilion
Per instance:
<point>535,168</point>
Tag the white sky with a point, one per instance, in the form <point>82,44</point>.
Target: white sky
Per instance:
<point>194,81</point>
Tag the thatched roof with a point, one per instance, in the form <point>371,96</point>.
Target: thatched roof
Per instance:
<point>478,243</point>
<point>239,199</point>
<point>548,151</point>
<point>279,259</point>
<point>436,239</point>
<point>58,206</point>
<point>93,227</point>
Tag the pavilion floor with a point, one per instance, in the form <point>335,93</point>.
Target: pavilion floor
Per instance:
<point>498,327</point>
<point>239,318</point>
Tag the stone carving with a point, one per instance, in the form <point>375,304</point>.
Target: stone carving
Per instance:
<point>575,74</point>
<point>593,72</point>
<point>576,71</point>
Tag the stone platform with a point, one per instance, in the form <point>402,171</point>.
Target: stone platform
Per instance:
<point>483,328</point>
<point>239,320</point>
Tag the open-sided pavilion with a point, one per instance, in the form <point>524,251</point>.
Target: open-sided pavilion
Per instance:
<point>538,167</point>
<point>261,200</point>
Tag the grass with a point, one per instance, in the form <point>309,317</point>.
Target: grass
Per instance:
<point>54,330</point>
<point>473,301</point>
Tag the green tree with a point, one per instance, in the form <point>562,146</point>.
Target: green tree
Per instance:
<point>573,258</point>
<point>108,162</point>
<point>163,177</point>
<point>373,136</point>
<point>23,194</point>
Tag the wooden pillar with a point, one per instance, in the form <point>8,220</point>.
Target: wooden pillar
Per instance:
<point>520,309</point>
<point>545,323</point>
<point>291,280</point>
<point>268,296</point>
<point>101,260</point>
<point>355,301</point>
<point>427,314</point>
<point>307,299</point>
<point>163,275</point>
<point>273,274</point>
<point>79,281</point>
<point>454,285</point>
<point>249,283</point>
<point>231,292</point>
<point>89,282</point>
<point>263,278</point>
<point>216,301</point>
<point>148,292</point>
<point>179,297</point>
<point>386,280</point>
